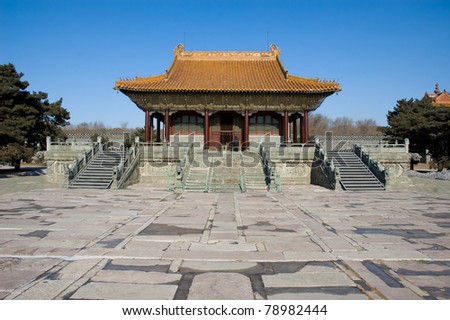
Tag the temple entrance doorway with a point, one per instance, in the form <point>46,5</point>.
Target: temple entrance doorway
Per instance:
<point>226,130</point>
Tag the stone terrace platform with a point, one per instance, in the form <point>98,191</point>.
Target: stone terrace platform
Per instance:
<point>146,243</point>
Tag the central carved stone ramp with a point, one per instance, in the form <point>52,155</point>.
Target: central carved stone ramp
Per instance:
<point>197,179</point>
<point>222,171</point>
<point>198,175</point>
<point>225,174</point>
<point>355,175</point>
<point>98,173</point>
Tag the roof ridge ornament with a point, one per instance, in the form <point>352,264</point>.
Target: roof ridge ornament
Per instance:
<point>274,50</point>
<point>179,49</point>
<point>437,91</point>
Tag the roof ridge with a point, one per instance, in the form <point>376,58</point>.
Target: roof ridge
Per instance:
<point>180,53</point>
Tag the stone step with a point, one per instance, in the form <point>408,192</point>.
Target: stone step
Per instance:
<point>89,187</point>
<point>94,179</point>
<point>97,172</point>
<point>356,181</point>
<point>195,186</point>
<point>99,168</point>
<point>196,176</point>
<point>256,176</point>
<point>366,186</point>
<point>256,189</point>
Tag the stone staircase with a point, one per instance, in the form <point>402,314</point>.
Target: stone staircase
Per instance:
<point>355,175</point>
<point>255,179</point>
<point>98,172</point>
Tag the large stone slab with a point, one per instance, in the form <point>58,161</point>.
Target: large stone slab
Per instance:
<point>388,286</point>
<point>381,254</point>
<point>45,290</point>
<point>220,286</point>
<point>308,256</point>
<point>221,246</point>
<point>321,279</point>
<point>125,291</point>
<point>11,279</point>
<point>76,269</point>
<point>219,266</point>
<point>224,256</point>
<point>129,276</point>
<point>318,296</point>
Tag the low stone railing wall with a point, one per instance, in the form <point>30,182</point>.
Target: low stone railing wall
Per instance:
<point>380,172</point>
<point>185,165</point>
<point>60,157</point>
<point>160,160</point>
<point>323,171</point>
<point>127,172</point>
<point>331,142</point>
<point>392,159</point>
<point>72,145</point>
<point>110,136</point>
<point>292,162</point>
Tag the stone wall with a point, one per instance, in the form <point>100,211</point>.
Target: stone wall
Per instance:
<point>293,164</point>
<point>60,155</point>
<point>58,163</point>
<point>110,136</point>
<point>394,157</point>
<point>346,142</point>
<point>159,161</point>
<point>320,177</point>
<point>156,173</point>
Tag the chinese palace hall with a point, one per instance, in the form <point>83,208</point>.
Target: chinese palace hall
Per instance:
<point>223,97</point>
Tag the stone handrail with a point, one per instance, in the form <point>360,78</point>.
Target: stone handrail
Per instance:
<point>123,171</point>
<point>68,145</point>
<point>272,176</point>
<point>242,174</point>
<point>324,172</point>
<point>381,173</point>
<point>184,166</point>
<point>171,181</point>
<point>384,147</point>
<point>80,164</point>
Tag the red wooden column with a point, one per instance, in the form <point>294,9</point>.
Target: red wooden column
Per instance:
<point>246,130</point>
<point>167,126</point>
<point>305,131</point>
<point>286,126</point>
<point>294,131</point>
<point>158,130</point>
<point>151,128</point>
<point>206,130</point>
<point>147,129</point>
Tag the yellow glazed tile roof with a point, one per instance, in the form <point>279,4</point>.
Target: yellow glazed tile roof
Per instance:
<point>202,71</point>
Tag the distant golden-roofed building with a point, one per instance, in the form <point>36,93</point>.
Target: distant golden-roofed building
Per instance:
<point>439,98</point>
<point>227,96</point>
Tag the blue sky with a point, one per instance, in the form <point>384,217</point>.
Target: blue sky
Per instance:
<point>380,51</point>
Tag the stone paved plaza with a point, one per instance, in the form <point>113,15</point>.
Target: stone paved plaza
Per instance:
<point>147,243</point>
